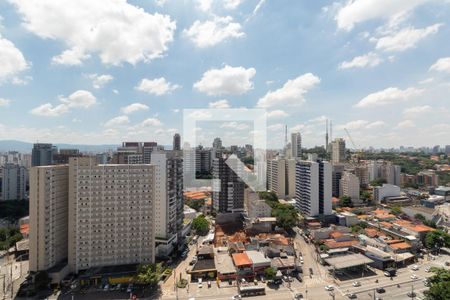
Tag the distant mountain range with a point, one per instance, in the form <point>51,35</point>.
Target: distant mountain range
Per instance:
<point>24,147</point>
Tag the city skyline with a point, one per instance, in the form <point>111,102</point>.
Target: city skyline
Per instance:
<point>71,84</point>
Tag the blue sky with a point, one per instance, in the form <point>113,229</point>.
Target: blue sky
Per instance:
<point>98,72</point>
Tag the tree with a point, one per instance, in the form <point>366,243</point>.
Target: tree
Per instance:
<point>149,274</point>
<point>419,217</point>
<point>439,285</point>
<point>366,196</point>
<point>345,201</point>
<point>286,215</point>
<point>270,273</point>
<point>378,182</point>
<point>396,210</point>
<point>437,239</point>
<point>196,204</point>
<point>200,225</point>
<point>268,196</point>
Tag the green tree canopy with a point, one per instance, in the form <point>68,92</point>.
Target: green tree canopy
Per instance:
<point>345,201</point>
<point>396,210</point>
<point>200,225</point>
<point>437,238</point>
<point>270,273</point>
<point>286,215</point>
<point>268,196</point>
<point>378,182</point>
<point>149,274</point>
<point>439,285</point>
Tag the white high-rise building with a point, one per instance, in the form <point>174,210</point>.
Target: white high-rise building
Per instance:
<point>296,145</point>
<point>313,188</point>
<point>48,216</point>
<point>281,177</point>
<point>111,214</point>
<point>338,151</point>
<point>350,184</point>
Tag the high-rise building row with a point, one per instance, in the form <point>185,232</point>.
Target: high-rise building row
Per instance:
<point>176,142</point>
<point>42,154</point>
<point>228,187</point>
<point>296,145</point>
<point>13,182</point>
<point>338,154</point>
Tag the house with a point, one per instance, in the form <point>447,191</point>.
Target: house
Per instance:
<point>243,264</point>
<point>259,261</point>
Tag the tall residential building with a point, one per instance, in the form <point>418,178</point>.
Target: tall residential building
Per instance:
<point>168,222</point>
<point>313,187</point>
<point>427,178</point>
<point>349,184</point>
<point>217,143</point>
<point>49,216</point>
<point>13,182</point>
<point>447,149</point>
<point>135,152</point>
<point>281,177</point>
<point>336,175</point>
<point>42,154</point>
<point>176,142</point>
<point>203,160</point>
<point>338,151</point>
<point>381,169</point>
<point>362,172</point>
<point>228,188</point>
<point>62,157</point>
<point>111,214</point>
<point>296,145</point>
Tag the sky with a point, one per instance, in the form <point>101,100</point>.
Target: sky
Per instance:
<point>102,72</point>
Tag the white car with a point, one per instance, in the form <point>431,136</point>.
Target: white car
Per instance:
<point>200,283</point>
<point>415,268</point>
<point>236,297</point>
<point>427,269</point>
<point>329,287</point>
<point>414,277</point>
<point>356,283</point>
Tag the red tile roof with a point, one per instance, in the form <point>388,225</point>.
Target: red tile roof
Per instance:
<point>241,259</point>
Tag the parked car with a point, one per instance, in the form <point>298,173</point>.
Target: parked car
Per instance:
<point>236,297</point>
<point>427,269</point>
<point>415,267</point>
<point>356,283</point>
<point>414,277</point>
<point>298,296</point>
<point>130,288</point>
<point>200,284</point>
<point>380,290</point>
<point>329,287</point>
<point>209,284</point>
<point>351,296</point>
<point>106,287</point>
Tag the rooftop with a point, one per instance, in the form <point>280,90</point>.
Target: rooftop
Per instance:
<point>224,263</point>
<point>347,261</point>
<point>257,257</point>
<point>204,265</point>
<point>241,259</point>
<point>400,246</point>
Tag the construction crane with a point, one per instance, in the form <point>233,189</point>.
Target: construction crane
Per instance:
<point>359,151</point>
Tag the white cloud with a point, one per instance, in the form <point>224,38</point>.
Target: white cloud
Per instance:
<point>406,38</point>
<point>320,120</point>
<point>441,65</point>
<point>12,61</point>
<point>275,127</point>
<point>219,104</point>
<point>134,108</point>
<point>358,11</point>
<point>4,102</point>
<point>427,81</point>
<point>204,5</point>
<point>278,113</point>
<point>200,115</point>
<point>226,81</point>
<point>117,121</point>
<point>358,124</point>
<point>232,4</point>
<point>158,86</point>
<point>99,81</point>
<point>390,95</point>
<point>417,110</point>
<point>48,110</point>
<point>368,60</point>
<point>406,124</point>
<point>211,32</point>
<point>375,124</point>
<point>292,92</point>
<point>151,122</point>
<point>234,125</point>
<point>160,2</point>
<point>114,29</point>
<point>79,99</point>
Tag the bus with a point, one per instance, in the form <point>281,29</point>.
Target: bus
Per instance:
<point>248,291</point>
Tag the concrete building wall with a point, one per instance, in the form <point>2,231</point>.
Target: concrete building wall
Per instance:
<point>111,214</point>
<point>48,216</point>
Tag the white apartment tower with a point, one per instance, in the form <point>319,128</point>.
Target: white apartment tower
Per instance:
<point>350,184</point>
<point>281,177</point>
<point>338,151</point>
<point>111,214</point>
<point>296,145</point>
<point>313,188</point>
<point>48,216</point>
<point>13,182</point>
